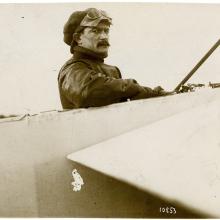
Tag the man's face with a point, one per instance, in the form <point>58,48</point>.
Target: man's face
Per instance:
<point>96,38</point>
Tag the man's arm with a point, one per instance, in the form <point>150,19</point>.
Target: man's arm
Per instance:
<point>86,88</point>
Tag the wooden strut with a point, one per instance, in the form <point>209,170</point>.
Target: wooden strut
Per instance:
<point>196,67</point>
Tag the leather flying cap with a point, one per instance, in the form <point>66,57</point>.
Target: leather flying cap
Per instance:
<point>91,17</point>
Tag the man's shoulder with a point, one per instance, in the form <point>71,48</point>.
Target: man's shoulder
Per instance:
<point>113,69</point>
<point>81,65</point>
<point>71,65</point>
<point>110,66</point>
<point>75,63</point>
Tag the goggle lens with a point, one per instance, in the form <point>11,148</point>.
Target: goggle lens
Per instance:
<point>93,14</point>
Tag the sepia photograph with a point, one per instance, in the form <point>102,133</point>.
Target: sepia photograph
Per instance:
<point>110,110</point>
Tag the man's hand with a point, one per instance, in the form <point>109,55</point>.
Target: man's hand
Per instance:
<point>161,92</point>
<point>158,90</point>
<point>146,92</point>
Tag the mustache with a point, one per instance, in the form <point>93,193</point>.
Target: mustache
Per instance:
<point>103,43</point>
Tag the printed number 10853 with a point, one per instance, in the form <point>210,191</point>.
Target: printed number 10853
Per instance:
<point>169,210</point>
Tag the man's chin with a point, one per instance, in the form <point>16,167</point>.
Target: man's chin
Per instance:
<point>103,52</point>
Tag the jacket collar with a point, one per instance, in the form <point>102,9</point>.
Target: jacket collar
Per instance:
<point>83,53</point>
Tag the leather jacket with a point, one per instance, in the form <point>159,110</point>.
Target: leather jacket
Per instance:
<point>86,81</point>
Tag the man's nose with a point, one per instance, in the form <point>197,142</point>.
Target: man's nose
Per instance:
<point>103,35</point>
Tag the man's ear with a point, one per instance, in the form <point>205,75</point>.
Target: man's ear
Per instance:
<point>76,37</point>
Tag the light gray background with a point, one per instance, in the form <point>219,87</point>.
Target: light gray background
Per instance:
<point>157,44</point>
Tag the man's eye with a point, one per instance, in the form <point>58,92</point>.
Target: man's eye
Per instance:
<point>95,31</point>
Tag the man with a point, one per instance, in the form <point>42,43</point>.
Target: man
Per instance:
<point>85,80</point>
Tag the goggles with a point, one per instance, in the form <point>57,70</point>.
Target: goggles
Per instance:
<point>93,17</point>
